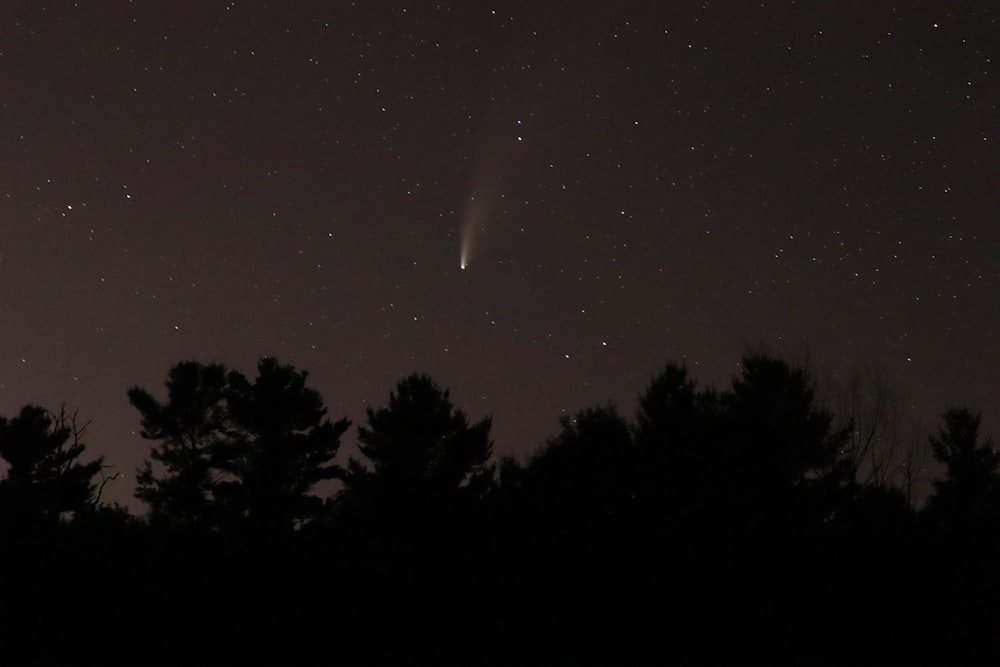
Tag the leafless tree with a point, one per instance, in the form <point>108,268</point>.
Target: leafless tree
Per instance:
<point>883,448</point>
<point>913,467</point>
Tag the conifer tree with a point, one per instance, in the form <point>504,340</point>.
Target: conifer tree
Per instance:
<point>45,480</point>
<point>421,449</point>
<point>233,452</point>
<point>969,493</point>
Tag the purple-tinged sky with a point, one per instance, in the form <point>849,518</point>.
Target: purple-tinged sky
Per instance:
<point>628,183</point>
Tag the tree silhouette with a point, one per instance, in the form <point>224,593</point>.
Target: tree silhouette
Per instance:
<point>873,414</point>
<point>773,407</point>
<point>45,480</point>
<point>189,427</point>
<point>234,452</point>
<point>280,446</point>
<point>583,478</point>
<point>671,410</point>
<point>421,447</point>
<point>410,521</point>
<point>752,455</point>
<point>969,494</point>
<point>963,518</point>
<point>782,453</point>
<point>677,439</point>
<point>715,527</point>
<point>567,519</point>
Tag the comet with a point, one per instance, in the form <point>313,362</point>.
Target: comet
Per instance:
<point>468,232</point>
<point>463,256</point>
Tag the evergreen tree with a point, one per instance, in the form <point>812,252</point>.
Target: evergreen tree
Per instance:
<point>778,424</point>
<point>969,494</point>
<point>781,452</point>
<point>757,453</point>
<point>677,441</point>
<point>583,478</point>
<point>281,446</point>
<point>181,489</point>
<point>45,480</point>
<point>236,453</point>
<point>421,450</point>
<point>670,410</point>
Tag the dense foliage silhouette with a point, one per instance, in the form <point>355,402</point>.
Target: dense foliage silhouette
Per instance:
<point>420,446</point>
<point>968,496</point>
<point>279,445</point>
<point>236,453</point>
<point>188,427</point>
<point>44,480</point>
<point>749,524</point>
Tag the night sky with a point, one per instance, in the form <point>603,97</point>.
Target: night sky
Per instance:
<point>625,184</point>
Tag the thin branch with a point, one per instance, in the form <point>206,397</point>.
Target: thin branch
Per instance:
<point>104,481</point>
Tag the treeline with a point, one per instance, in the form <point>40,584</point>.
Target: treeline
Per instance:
<point>749,525</point>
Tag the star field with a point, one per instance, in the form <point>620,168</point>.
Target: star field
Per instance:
<point>538,203</point>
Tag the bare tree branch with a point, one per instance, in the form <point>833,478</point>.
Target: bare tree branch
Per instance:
<point>104,481</point>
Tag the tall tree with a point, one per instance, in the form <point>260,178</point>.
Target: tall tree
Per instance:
<point>179,481</point>
<point>874,452</point>
<point>584,478</point>
<point>233,452</point>
<point>281,446</point>
<point>670,409</point>
<point>410,517</point>
<point>782,453</point>
<point>676,437</point>
<point>744,455</point>
<point>969,494</point>
<point>421,449</point>
<point>774,409</point>
<point>45,479</point>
